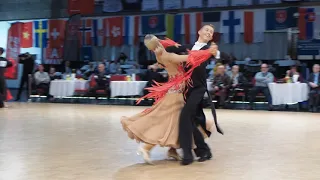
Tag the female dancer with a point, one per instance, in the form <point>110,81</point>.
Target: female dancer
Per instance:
<point>159,124</point>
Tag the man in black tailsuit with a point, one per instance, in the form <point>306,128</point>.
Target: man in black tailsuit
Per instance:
<point>4,63</point>
<point>28,65</point>
<point>192,114</point>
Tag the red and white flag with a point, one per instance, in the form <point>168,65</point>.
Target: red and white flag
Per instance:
<point>56,33</point>
<point>115,31</point>
<point>13,45</point>
<point>85,31</point>
<point>191,25</point>
<point>253,28</point>
<point>53,55</point>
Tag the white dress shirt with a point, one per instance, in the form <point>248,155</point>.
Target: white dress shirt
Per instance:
<point>197,46</point>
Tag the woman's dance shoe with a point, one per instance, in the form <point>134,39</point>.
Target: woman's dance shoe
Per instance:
<point>172,153</point>
<point>145,154</point>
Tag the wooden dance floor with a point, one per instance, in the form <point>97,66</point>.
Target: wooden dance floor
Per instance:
<point>86,142</point>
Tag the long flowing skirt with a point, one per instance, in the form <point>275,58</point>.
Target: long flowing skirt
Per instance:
<point>159,125</point>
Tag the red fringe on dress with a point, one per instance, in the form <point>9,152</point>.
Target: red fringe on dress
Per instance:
<point>9,96</point>
<point>159,90</point>
<point>167,42</point>
<point>11,71</point>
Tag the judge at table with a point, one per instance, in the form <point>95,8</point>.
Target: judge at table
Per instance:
<point>314,83</point>
<point>102,82</point>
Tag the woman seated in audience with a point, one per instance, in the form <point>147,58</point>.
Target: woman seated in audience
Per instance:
<point>292,72</point>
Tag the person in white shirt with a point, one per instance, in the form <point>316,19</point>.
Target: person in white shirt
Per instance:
<point>42,80</point>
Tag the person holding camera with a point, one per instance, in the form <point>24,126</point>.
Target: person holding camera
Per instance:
<point>221,84</point>
<point>28,65</point>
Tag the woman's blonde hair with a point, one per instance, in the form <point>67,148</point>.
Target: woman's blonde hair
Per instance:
<point>151,41</point>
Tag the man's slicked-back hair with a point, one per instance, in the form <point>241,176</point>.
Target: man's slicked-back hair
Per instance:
<point>211,25</point>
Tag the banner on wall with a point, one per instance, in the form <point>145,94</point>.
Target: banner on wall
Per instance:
<point>150,5</point>
<point>308,47</point>
<point>170,4</point>
<point>232,25</point>
<point>13,46</point>
<point>218,3</point>
<point>278,19</point>
<point>192,4</point>
<point>112,6</point>
<point>269,1</point>
<point>84,7</point>
<point>71,42</point>
<point>309,23</point>
<point>241,2</point>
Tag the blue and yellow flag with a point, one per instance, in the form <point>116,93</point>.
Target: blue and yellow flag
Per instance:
<point>40,33</point>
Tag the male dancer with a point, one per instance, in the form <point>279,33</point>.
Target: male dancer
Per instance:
<point>4,63</point>
<point>192,114</point>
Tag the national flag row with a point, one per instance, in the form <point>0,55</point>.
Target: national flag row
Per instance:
<point>127,30</point>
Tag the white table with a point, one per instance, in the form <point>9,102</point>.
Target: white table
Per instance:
<point>288,93</point>
<point>127,88</point>
<point>64,88</point>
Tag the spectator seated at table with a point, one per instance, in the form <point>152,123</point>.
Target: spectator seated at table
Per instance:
<point>102,82</point>
<point>291,73</point>
<point>42,80</point>
<point>314,83</point>
<point>53,74</point>
<point>262,79</point>
<point>221,84</point>
<point>114,67</point>
<point>238,81</point>
<point>89,71</point>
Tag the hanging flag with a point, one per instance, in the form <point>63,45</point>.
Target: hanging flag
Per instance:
<point>84,7</point>
<point>131,5</point>
<point>56,33</point>
<point>40,33</point>
<point>307,17</point>
<point>13,46</point>
<point>192,24</point>
<point>53,55</point>
<point>115,31</point>
<point>278,19</point>
<point>170,25</point>
<point>214,19</point>
<point>177,32</point>
<point>153,24</point>
<point>27,35</point>
<point>85,31</point>
<point>253,28</point>
<point>72,40</point>
<point>232,25</point>
<point>131,29</point>
<point>99,32</point>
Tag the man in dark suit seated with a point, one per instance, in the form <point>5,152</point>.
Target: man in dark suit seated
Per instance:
<point>314,83</point>
<point>221,84</point>
<point>102,82</point>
